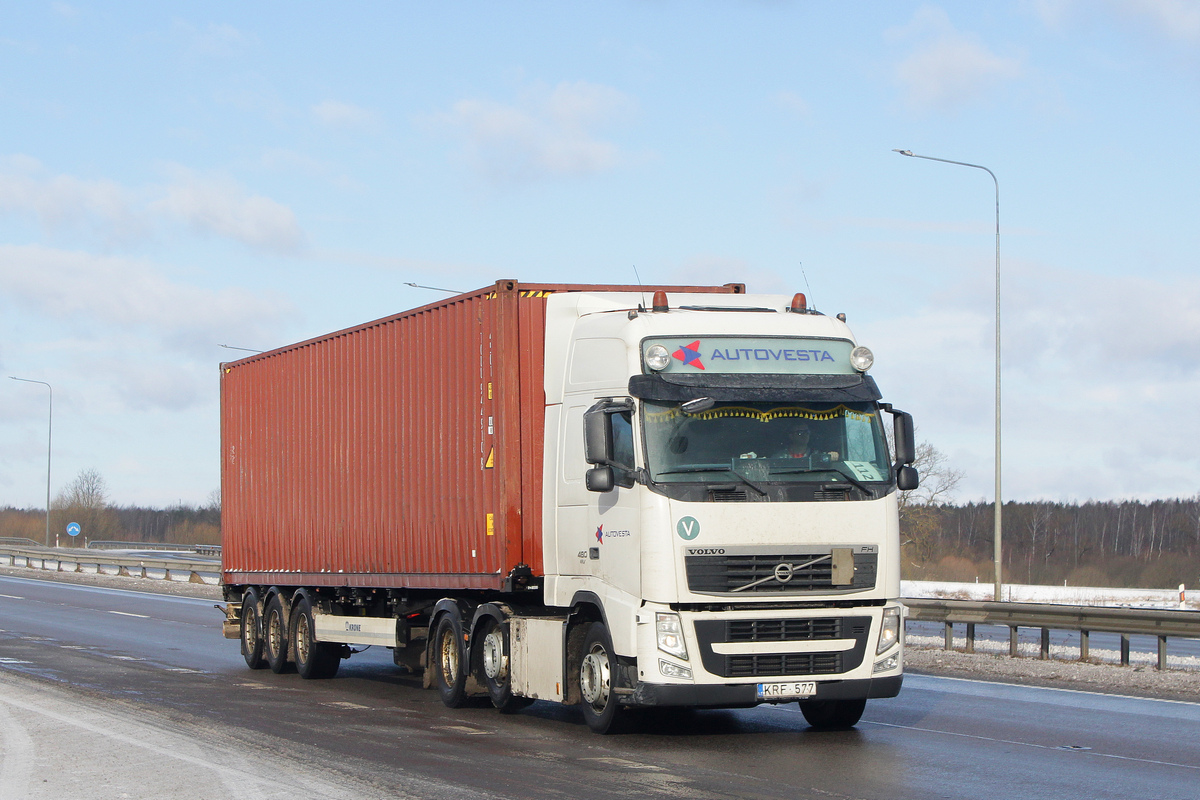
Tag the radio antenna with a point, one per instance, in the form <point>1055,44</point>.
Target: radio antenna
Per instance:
<point>641,305</point>
<point>807,290</point>
<point>434,288</point>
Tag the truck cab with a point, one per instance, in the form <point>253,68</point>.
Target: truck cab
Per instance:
<point>721,496</point>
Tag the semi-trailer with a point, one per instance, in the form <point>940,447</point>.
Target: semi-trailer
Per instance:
<point>574,494</point>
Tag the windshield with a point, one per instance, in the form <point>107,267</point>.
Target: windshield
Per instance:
<point>756,443</point>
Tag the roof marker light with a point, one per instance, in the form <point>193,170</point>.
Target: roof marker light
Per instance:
<point>660,301</point>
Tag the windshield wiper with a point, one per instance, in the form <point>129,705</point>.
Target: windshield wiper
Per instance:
<point>715,468</point>
<point>838,472</point>
<point>695,468</point>
<point>868,491</point>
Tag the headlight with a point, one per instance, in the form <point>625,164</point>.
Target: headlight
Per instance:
<point>889,631</point>
<point>657,357</point>
<point>670,635</point>
<point>861,358</point>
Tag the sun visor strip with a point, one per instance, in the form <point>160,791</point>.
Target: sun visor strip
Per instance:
<point>763,388</point>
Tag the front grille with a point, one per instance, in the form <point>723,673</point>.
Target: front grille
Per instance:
<point>788,664</point>
<point>782,630</point>
<point>735,572</point>
<point>813,629</point>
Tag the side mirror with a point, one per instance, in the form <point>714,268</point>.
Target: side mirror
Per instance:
<point>904,436</point>
<point>597,435</point>
<point>907,479</point>
<point>601,479</point>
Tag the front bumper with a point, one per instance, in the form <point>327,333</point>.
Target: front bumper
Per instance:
<point>744,695</point>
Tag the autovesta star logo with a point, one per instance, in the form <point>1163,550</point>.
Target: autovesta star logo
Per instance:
<point>689,354</point>
<point>600,534</point>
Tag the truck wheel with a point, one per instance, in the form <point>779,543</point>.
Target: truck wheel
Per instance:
<point>493,667</point>
<point>597,670</point>
<point>252,632</point>
<point>313,659</point>
<point>275,637</point>
<point>449,661</point>
<point>832,715</point>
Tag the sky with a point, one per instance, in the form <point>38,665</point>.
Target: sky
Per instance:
<point>179,176</point>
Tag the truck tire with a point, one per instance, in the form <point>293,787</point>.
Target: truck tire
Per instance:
<point>448,660</point>
<point>252,631</point>
<point>597,671</point>
<point>493,666</point>
<point>314,659</point>
<point>275,636</point>
<point>832,715</point>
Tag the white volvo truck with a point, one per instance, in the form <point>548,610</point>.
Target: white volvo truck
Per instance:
<point>700,506</point>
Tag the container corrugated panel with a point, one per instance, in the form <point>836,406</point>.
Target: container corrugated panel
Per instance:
<point>405,452</point>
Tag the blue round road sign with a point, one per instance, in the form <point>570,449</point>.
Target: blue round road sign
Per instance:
<point>73,529</point>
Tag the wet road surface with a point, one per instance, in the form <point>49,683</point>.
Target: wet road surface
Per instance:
<point>145,673</point>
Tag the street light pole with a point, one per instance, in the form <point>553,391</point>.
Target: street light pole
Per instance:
<point>997,528</point>
<point>49,442</point>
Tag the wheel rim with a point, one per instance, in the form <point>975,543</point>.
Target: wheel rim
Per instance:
<point>274,633</point>
<point>302,638</point>
<point>449,657</point>
<point>250,632</point>
<point>595,680</point>
<point>494,665</point>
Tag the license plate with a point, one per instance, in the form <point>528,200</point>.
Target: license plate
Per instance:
<point>791,689</point>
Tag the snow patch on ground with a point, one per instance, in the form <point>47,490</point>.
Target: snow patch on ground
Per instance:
<point>1061,595</point>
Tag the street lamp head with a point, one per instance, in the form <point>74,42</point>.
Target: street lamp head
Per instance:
<point>902,152</point>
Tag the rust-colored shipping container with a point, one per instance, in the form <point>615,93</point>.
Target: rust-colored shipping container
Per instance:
<point>405,452</point>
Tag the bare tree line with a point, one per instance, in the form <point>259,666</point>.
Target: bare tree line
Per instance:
<point>85,501</point>
<point>1150,544</point>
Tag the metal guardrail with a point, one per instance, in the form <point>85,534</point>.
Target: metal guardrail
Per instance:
<point>1084,619</point>
<point>202,549</point>
<point>80,560</point>
<point>17,541</point>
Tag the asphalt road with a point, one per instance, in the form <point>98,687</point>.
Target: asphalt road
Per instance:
<point>107,693</point>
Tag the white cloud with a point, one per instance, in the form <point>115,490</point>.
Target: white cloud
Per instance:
<point>65,10</point>
<point>62,202</point>
<point>1177,20</point>
<point>120,294</point>
<point>1097,370</point>
<point>208,204</point>
<point>293,161</point>
<point>345,115</point>
<point>215,204</point>
<point>545,134</point>
<point>790,101</point>
<point>1128,325</point>
<point>947,69</point>
<point>213,39</point>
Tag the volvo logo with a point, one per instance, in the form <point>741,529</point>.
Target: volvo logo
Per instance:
<point>783,573</point>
